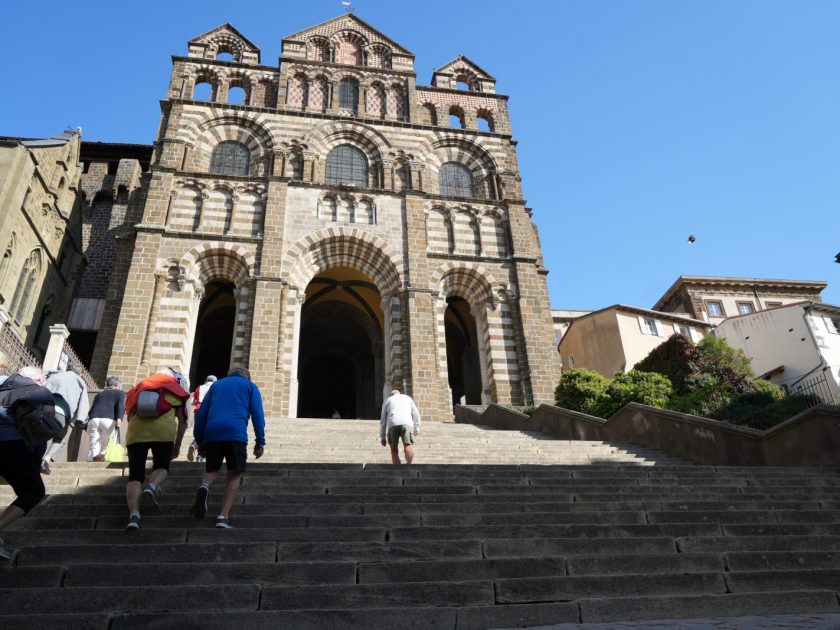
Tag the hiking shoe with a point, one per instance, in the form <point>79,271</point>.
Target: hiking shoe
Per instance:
<point>151,498</point>
<point>200,505</point>
<point>191,452</point>
<point>223,523</point>
<point>5,553</point>
<point>45,467</point>
<point>133,523</point>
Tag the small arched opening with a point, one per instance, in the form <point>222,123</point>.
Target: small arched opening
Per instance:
<point>214,332</point>
<point>462,362</point>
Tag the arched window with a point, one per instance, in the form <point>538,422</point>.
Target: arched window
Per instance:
<point>26,285</point>
<point>455,180</point>
<point>203,91</point>
<point>348,94</point>
<point>230,158</point>
<point>456,117</point>
<point>484,119</point>
<point>347,165</point>
<point>236,95</point>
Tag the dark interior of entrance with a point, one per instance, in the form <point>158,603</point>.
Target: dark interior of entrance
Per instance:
<point>340,356</point>
<point>213,333</point>
<point>462,353</point>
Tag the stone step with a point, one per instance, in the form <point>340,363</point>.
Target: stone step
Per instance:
<point>98,599</point>
<point>524,531</point>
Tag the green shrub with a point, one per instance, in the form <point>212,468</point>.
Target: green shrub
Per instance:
<point>780,411</point>
<point>646,388</point>
<point>750,403</point>
<point>581,390</point>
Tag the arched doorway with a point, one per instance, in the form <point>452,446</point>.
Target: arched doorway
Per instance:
<point>462,361</point>
<point>340,360</point>
<point>213,332</point>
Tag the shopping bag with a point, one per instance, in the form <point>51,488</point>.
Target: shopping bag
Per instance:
<point>115,452</point>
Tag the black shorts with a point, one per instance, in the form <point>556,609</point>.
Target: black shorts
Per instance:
<point>235,455</point>
<point>20,466</point>
<point>139,451</point>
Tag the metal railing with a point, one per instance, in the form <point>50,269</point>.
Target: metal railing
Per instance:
<point>68,355</point>
<point>17,354</point>
<point>816,385</point>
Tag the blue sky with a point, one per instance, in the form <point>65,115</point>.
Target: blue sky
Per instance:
<point>639,122</point>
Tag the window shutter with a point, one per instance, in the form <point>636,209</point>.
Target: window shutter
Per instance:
<point>659,331</point>
<point>676,328</point>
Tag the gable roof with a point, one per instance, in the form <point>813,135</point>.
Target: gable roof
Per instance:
<point>349,21</point>
<point>228,28</point>
<point>481,72</point>
<point>815,286</point>
<point>644,312</point>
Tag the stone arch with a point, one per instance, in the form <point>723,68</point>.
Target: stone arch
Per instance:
<point>480,163</point>
<point>240,80</point>
<point>318,48</point>
<point>373,144</point>
<point>225,43</point>
<point>214,260</point>
<point>234,127</point>
<point>378,56</point>
<point>344,246</point>
<point>348,247</point>
<point>349,47</point>
<point>468,280</point>
<point>477,286</point>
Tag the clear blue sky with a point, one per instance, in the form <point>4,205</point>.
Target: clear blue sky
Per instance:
<point>638,122</point>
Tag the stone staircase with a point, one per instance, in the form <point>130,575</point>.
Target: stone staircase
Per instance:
<point>489,529</point>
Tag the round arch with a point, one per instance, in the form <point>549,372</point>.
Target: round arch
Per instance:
<point>345,247</point>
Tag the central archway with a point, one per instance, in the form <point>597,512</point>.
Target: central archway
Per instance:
<point>341,356</point>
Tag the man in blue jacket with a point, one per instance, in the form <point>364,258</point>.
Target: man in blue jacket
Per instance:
<point>221,433</point>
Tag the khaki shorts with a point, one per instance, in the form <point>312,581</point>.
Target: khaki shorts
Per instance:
<point>400,431</point>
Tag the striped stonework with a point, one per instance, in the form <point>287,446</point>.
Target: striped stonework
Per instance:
<point>393,246</point>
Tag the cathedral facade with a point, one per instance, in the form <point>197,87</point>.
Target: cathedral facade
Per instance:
<point>336,228</point>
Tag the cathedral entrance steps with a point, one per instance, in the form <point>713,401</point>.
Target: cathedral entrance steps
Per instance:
<point>319,440</point>
<point>481,544</point>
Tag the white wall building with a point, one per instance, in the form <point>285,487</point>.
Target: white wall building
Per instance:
<point>795,346</point>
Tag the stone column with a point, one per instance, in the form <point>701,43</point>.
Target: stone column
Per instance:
<point>479,313</point>
<point>58,335</point>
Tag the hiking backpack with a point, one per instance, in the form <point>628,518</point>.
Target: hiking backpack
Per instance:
<point>36,426</point>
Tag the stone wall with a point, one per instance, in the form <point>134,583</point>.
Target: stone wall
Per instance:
<point>811,438</point>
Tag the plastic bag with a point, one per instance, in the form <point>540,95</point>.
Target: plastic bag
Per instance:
<point>115,452</point>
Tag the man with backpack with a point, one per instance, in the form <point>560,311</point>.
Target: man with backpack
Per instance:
<point>155,410</point>
<point>72,404</point>
<point>20,458</point>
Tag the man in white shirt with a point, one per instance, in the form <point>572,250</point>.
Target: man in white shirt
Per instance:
<point>399,414</point>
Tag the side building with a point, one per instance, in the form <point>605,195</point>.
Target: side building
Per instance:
<point>616,338</point>
<point>335,227</point>
<point>714,298</point>
<point>40,235</point>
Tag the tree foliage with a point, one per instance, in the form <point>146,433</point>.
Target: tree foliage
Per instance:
<point>705,377</point>
<point>590,392</point>
<point>581,390</point>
